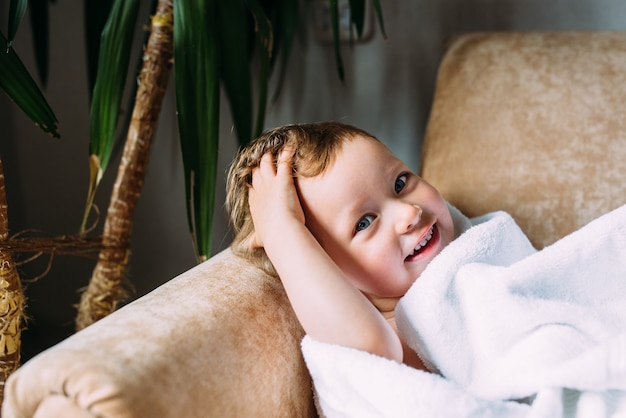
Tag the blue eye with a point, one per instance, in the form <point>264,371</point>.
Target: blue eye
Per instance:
<point>364,223</point>
<point>400,183</point>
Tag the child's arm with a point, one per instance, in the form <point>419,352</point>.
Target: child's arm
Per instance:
<point>327,305</point>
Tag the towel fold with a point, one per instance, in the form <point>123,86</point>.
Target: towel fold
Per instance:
<point>505,321</point>
<point>352,383</point>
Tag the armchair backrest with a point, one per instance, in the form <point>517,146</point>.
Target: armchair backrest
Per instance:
<point>533,124</point>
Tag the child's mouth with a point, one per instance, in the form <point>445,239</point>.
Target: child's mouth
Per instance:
<point>423,244</point>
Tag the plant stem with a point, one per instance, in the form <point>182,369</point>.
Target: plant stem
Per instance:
<point>11,300</point>
<point>105,289</point>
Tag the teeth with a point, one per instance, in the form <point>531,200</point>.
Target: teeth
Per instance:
<point>423,242</point>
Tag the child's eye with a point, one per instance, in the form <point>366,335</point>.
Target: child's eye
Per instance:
<point>364,223</point>
<point>400,183</point>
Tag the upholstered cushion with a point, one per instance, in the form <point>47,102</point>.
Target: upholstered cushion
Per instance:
<point>219,340</point>
<point>533,124</point>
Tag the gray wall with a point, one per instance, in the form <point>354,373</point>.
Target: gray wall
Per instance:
<point>388,90</point>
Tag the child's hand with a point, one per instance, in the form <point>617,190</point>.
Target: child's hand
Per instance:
<point>273,198</point>
<point>329,307</point>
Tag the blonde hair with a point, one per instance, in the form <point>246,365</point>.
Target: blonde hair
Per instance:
<point>316,146</point>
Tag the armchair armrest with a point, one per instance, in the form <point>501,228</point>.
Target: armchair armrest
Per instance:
<point>218,340</point>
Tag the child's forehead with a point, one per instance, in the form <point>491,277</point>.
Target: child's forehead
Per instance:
<point>355,152</point>
<point>365,148</point>
<point>362,174</point>
<point>360,158</point>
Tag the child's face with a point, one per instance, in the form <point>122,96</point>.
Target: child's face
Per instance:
<point>379,222</point>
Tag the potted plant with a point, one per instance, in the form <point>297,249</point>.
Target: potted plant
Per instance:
<point>208,44</point>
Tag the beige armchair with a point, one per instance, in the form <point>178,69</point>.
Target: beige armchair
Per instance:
<point>531,123</point>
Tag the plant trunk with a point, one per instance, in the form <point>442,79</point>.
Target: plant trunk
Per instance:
<point>11,300</point>
<point>105,289</point>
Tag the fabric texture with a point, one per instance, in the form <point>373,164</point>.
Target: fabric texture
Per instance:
<point>200,345</point>
<point>531,123</point>
<point>499,321</point>
<point>352,383</point>
<point>505,321</point>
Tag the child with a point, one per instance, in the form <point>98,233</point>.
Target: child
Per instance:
<point>350,230</point>
<point>346,225</point>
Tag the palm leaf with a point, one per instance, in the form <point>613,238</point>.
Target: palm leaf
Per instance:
<point>95,17</point>
<point>22,89</point>
<point>235,68</point>
<point>379,15</point>
<point>287,23</point>
<point>265,43</point>
<point>357,16</point>
<point>114,56</point>
<point>39,18</point>
<point>334,23</point>
<point>196,76</point>
<point>17,9</point>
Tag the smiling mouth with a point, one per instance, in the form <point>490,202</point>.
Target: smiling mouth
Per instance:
<point>423,243</point>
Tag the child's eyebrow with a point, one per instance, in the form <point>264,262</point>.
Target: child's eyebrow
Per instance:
<point>353,212</point>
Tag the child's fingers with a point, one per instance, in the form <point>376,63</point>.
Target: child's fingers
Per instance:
<point>272,197</point>
<point>268,168</point>
<point>264,170</point>
<point>284,161</point>
<point>267,164</point>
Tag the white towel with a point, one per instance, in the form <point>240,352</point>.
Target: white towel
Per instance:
<point>505,321</point>
<point>499,320</point>
<point>352,383</point>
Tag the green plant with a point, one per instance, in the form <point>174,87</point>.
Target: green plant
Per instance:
<point>213,43</point>
<point>223,35</point>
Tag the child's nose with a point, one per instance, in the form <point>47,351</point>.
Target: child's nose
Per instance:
<point>410,215</point>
